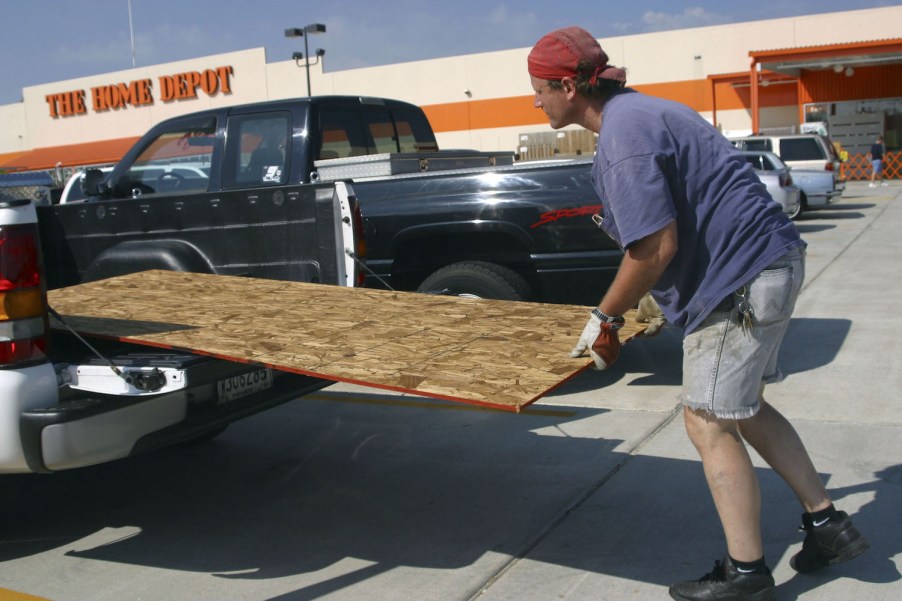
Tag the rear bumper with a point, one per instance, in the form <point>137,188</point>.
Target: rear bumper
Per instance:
<point>90,429</point>
<point>824,199</point>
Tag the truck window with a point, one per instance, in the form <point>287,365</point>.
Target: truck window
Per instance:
<point>255,150</point>
<point>352,132</point>
<point>767,164</point>
<point>382,131</point>
<point>414,132</point>
<point>755,160</point>
<point>342,134</point>
<point>177,160</point>
<point>763,144</point>
<point>801,149</point>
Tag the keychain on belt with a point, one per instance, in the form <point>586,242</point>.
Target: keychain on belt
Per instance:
<point>744,311</point>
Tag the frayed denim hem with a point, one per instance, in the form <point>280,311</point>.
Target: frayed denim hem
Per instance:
<point>737,414</point>
<point>774,378</point>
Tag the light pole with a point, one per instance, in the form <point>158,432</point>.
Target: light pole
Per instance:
<point>306,32</point>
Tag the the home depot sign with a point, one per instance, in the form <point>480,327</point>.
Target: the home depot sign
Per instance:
<point>181,86</point>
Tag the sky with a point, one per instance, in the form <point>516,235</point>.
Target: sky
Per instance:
<point>44,41</point>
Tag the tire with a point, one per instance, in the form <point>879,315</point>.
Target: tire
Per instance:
<point>797,213</point>
<point>478,279</point>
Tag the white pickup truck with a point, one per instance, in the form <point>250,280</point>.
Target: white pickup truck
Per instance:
<point>66,402</point>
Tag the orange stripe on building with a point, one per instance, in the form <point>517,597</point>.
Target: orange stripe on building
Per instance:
<point>517,111</point>
<point>483,114</point>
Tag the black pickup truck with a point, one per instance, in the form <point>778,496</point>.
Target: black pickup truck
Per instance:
<point>459,222</point>
<point>291,190</point>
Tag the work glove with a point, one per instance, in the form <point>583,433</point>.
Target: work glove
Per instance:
<point>600,338</point>
<point>649,312</point>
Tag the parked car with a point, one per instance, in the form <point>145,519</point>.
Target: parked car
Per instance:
<point>813,160</point>
<point>776,177</point>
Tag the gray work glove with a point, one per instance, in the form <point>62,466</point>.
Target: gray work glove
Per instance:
<point>600,338</point>
<point>649,312</point>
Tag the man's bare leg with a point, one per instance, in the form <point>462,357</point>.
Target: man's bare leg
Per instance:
<point>731,479</point>
<point>778,443</point>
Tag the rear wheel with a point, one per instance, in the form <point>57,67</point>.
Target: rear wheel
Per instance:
<point>478,279</point>
<point>795,215</point>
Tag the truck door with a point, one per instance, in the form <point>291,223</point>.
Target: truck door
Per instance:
<point>276,229</point>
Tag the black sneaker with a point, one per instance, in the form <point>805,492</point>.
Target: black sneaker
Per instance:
<point>831,542</point>
<point>726,583</point>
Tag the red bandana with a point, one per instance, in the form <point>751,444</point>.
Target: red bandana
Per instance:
<point>558,54</point>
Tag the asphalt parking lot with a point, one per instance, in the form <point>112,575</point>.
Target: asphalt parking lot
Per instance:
<point>593,493</point>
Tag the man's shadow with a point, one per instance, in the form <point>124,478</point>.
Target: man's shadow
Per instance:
<point>879,521</point>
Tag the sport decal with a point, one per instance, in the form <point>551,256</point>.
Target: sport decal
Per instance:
<point>552,216</point>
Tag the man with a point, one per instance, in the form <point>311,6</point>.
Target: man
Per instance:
<point>700,232</point>
<point>876,156</point>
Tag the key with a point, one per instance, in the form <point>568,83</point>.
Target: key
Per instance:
<point>744,311</point>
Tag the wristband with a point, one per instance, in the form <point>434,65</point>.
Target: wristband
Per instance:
<point>615,320</point>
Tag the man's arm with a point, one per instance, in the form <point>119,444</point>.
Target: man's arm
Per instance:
<point>641,267</point>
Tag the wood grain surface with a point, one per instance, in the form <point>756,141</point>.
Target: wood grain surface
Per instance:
<point>500,354</point>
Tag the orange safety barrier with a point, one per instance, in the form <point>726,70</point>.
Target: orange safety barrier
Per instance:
<point>858,167</point>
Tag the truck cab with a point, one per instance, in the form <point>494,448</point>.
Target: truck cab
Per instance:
<point>260,145</point>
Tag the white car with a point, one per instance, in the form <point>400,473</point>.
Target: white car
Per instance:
<point>775,176</point>
<point>72,191</point>
<point>812,158</point>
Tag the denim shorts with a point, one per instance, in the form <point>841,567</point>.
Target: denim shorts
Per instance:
<point>726,365</point>
<point>877,166</point>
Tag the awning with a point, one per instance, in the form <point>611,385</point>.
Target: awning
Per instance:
<point>7,157</point>
<point>71,155</point>
<point>837,57</point>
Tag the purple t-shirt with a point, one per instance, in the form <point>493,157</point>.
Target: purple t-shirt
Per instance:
<point>658,161</point>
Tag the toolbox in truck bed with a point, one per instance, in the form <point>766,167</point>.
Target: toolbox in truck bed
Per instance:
<point>394,163</point>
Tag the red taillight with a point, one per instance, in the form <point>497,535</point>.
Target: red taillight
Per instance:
<point>22,351</point>
<point>360,249</point>
<point>23,300</point>
<point>829,166</point>
<point>19,265</point>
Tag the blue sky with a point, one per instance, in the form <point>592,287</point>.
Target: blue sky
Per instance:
<point>52,40</point>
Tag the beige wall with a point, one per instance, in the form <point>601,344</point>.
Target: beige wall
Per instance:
<point>13,132</point>
<point>649,58</point>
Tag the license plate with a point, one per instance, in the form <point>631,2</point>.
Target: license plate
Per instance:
<point>237,387</point>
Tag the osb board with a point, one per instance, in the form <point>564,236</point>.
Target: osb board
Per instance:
<point>496,353</point>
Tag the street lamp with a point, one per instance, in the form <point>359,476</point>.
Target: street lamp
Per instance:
<point>306,32</point>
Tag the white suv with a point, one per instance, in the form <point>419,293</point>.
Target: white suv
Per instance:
<point>814,163</point>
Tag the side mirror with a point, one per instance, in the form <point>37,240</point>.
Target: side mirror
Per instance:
<point>92,183</point>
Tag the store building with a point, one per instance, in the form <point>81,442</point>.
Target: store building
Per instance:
<point>839,72</point>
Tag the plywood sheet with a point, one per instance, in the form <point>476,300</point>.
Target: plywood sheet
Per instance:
<point>496,353</point>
